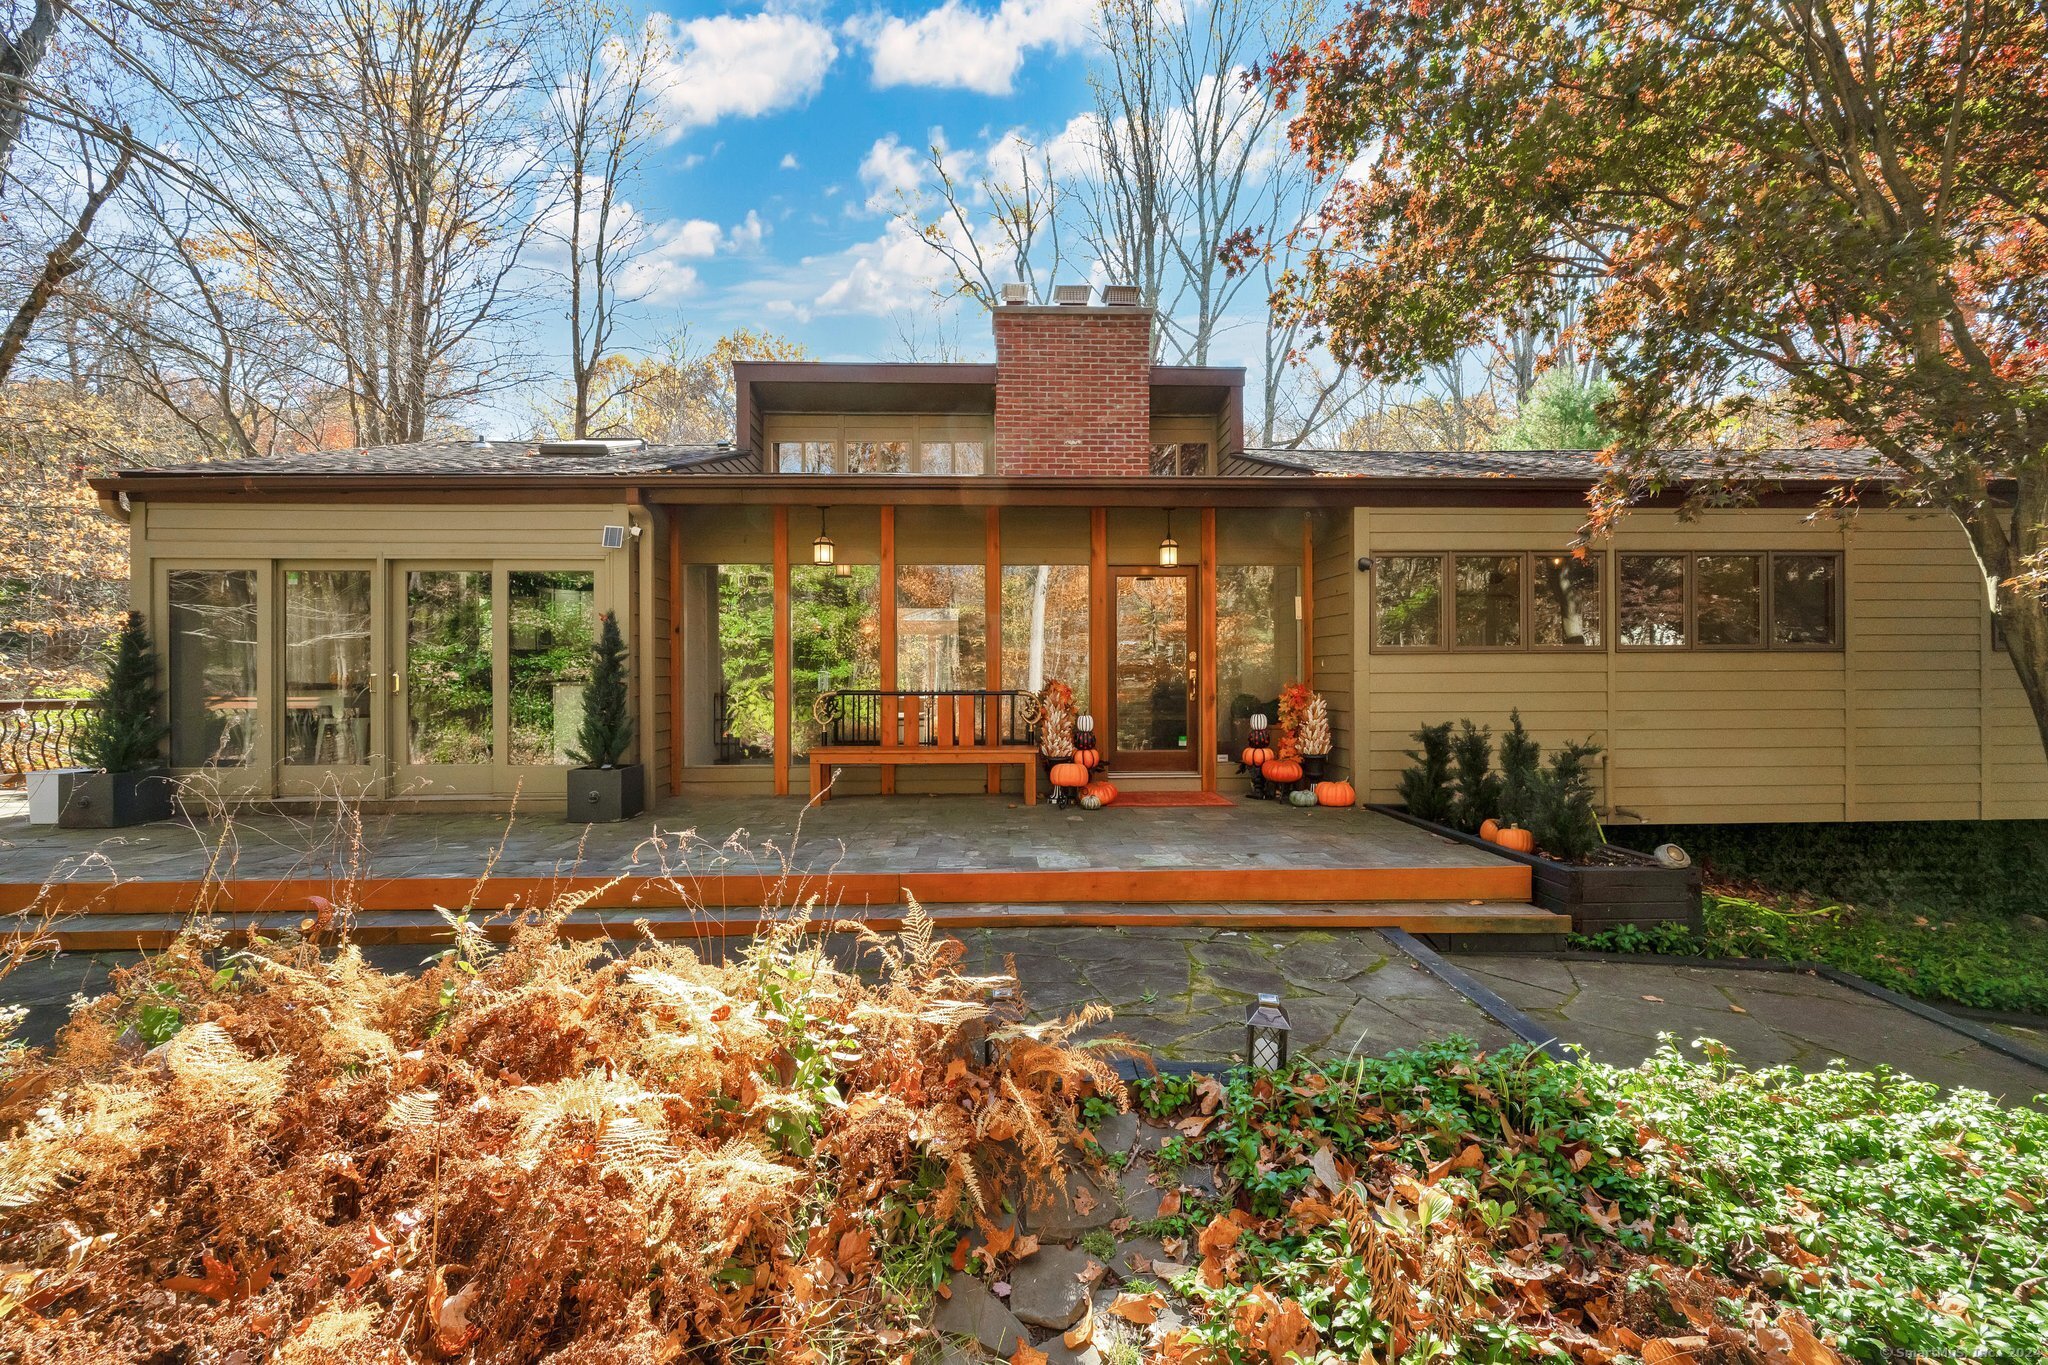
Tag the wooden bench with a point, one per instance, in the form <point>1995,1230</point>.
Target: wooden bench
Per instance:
<point>952,741</point>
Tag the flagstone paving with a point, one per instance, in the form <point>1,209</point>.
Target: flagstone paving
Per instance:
<point>1617,1010</point>
<point>732,835</point>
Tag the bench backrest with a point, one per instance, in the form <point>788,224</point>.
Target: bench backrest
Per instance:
<point>953,721</point>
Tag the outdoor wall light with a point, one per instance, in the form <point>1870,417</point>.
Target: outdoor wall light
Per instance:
<point>1265,1034</point>
<point>1169,548</point>
<point>1365,563</point>
<point>823,551</point>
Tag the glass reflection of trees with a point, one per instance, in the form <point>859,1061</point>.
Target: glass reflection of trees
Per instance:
<point>448,701</point>
<point>835,639</point>
<point>550,618</point>
<point>1045,627</point>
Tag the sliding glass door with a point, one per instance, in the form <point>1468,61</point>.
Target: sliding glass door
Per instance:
<point>1152,681</point>
<point>333,735</point>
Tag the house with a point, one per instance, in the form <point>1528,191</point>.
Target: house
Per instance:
<point>411,622</point>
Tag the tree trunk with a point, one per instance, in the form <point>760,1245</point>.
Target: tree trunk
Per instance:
<point>58,266</point>
<point>2005,541</point>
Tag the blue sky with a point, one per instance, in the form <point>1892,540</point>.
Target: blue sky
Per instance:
<point>790,133</point>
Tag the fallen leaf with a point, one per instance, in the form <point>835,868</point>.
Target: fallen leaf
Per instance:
<point>1025,1354</point>
<point>1324,1164</point>
<point>217,1284</point>
<point>448,1314</point>
<point>1169,1204</point>
<point>1673,1350</point>
<point>1654,999</point>
<point>1081,1333</point>
<point>1737,1009</point>
<point>1141,1310</point>
<point>1290,1335</point>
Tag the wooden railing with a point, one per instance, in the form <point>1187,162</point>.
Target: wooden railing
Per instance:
<point>37,734</point>
<point>858,716</point>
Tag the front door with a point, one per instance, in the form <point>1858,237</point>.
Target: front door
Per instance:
<point>1152,672</point>
<point>334,657</point>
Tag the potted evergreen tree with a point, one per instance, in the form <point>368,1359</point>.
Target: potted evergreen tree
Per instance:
<point>605,788</point>
<point>124,781</point>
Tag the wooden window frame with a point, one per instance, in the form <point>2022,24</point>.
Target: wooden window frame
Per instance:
<point>1447,607</point>
<point>1767,644</point>
<point>845,429</point>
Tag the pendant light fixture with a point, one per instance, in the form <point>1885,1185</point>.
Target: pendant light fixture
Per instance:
<point>1169,548</point>
<point>823,551</point>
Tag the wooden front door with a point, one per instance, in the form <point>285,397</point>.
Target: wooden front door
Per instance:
<point>1152,663</point>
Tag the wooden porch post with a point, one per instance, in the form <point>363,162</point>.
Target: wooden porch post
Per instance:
<point>992,637</point>
<point>1205,663</point>
<point>1099,593</point>
<point>782,693</point>
<point>1308,601</point>
<point>673,521</point>
<point>886,591</point>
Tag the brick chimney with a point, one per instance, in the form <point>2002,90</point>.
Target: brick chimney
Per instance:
<point>1073,390</point>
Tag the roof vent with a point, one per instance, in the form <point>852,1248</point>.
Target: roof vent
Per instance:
<point>479,440</point>
<point>1070,295</point>
<point>1120,295</point>
<point>588,449</point>
<point>1016,292</point>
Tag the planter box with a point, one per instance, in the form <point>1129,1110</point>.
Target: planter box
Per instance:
<point>86,798</point>
<point>1633,888</point>
<point>600,796</point>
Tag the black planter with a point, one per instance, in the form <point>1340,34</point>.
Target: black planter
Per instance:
<point>88,798</point>
<point>1630,888</point>
<point>599,796</point>
<point>1312,767</point>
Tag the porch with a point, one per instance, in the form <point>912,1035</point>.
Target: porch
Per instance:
<point>710,866</point>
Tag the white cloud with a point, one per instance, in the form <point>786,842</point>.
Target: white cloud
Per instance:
<point>790,163</point>
<point>746,235</point>
<point>892,173</point>
<point>725,66</point>
<point>895,271</point>
<point>958,47</point>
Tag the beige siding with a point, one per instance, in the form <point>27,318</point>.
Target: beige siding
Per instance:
<point>1915,718</point>
<point>1335,571</point>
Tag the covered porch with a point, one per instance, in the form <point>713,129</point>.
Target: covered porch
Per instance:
<point>714,866</point>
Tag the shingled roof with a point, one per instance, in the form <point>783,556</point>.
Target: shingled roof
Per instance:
<point>1816,464</point>
<point>485,458</point>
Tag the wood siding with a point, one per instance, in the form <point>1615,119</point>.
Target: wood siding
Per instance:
<point>1915,718</point>
<point>1336,638</point>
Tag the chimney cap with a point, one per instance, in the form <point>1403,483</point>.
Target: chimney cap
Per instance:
<point>1121,295</point>
<point>1016,292</point>
<point>1070,295</point>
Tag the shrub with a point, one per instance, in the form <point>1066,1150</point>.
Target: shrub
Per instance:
<point>1426,786</point>
<point>1519,756</point>
<point>1561,813</point>
<point>607,728</point>
<point>1478,787</point>
<point>126,732</point>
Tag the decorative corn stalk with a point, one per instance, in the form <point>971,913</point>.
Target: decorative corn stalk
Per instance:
<point>1314,738</point>
<point>1056,721</point>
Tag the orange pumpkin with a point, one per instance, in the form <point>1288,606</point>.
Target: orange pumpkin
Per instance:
<point>1519,840</point>
<point>1281,770</point>
<point>1256,757</point>
<point>1069,775</point>
<point>1088,758</point>
<point>1100,790</point>
<point>1335,794</point>
<point>1488,828</point>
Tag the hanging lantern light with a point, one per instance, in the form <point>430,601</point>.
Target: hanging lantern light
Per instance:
<point>1265,1034</point>
<point>1169,548</point>
<point>823,551</point>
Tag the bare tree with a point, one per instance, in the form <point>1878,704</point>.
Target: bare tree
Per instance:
<point>1007,225</point>
<point>600,106</point>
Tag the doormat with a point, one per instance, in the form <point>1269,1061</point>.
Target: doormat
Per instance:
<point>1155,800</point>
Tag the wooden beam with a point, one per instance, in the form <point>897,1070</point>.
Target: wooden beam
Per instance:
<point>1308,601</point>
<point>1205,661</point>
<point>782,692</point>
<point>1100,590</point>
<point>992,633</point>
<point>886,592</point>
<point>674,524</point>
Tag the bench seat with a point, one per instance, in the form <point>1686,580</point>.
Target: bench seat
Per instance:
<point>887,756</point>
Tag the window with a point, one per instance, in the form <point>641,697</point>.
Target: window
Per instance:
<point>551,620</point>
<point>1408,595</point>
<point>941,627</point>
<point>835,640</point>
<point>953,457</point>
<point>1045,627</point>
<point>327,666</point>
<point>1258,644</point>
<point>1757,600</point>
<point>1652,600</point>
<point>212,661</point>
<point>1181,459</point>
<point>807,457</point>
<point>1728,601</point>
<point>1487,605</point>
<point>1565,601</point>
<point>878,457</point>
<point>450,704</point>
<point>1805,591</point>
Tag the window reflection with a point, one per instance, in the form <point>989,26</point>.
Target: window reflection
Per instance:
<point>834,640</point>
<point>1566,603</point>
<point>1181,459</point>
<point>550,622</point>
<point>212,663</point>
<point>1045,627</point>
<point>941,627</point>
<point>1408,601</point>
<point>878,457</point>
<point>1728,599</point>
<point>953,457</point>
<point>1151,664</point>
<point>1803,597</point>
<point>327,690</point>
<point>1258,644</point>
<point>806,457</point>
<point>1652,600</point>
<point>730,659</point>
<point>449,714</point>
<point>1488,603</point>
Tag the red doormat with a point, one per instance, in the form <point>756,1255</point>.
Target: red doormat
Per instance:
<point>1157,799</point>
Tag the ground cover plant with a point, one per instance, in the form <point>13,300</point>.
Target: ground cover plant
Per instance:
<point>548,1150</point>
<point>1443,1204</point>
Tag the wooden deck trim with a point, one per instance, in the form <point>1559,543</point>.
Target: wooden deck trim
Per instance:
<point>1145,886</point>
